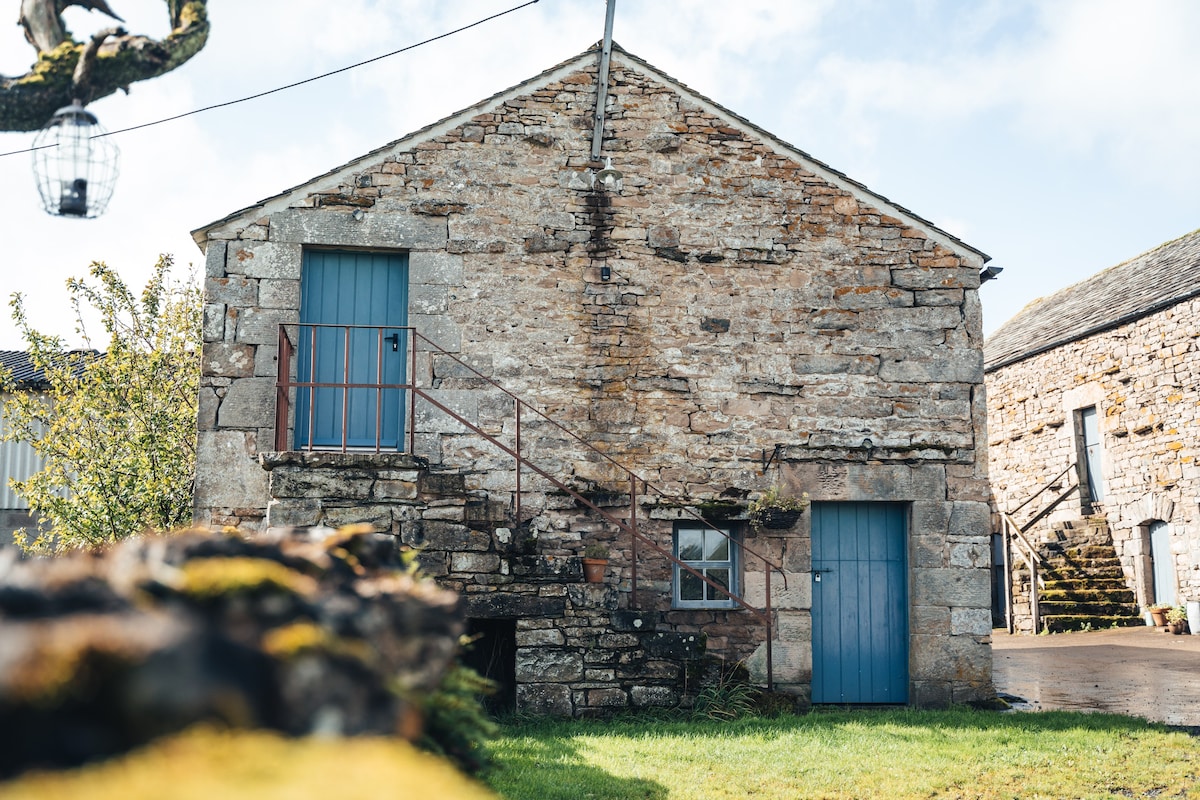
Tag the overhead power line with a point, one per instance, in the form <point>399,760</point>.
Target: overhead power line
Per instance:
<point>430,40</point>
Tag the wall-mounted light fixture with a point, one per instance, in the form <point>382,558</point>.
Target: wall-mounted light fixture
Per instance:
<point>608,178</point>
<point>75,164</point>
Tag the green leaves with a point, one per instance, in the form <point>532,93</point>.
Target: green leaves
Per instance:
<point>117,429</point>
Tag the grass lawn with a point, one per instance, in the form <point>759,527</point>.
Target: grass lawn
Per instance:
<point>848,754</point>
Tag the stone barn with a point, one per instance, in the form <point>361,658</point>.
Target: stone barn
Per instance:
<point>1094,428</point>
<point>530,330</point>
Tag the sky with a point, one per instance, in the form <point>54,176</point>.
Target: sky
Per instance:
<point>1058,136</point>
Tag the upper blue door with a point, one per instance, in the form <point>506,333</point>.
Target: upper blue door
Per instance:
<point>860,603</point>
<point>359,289</point>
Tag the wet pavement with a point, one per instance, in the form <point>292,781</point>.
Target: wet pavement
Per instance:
<point>1139,672</point>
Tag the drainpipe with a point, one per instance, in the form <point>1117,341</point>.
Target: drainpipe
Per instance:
<point>602,83</point>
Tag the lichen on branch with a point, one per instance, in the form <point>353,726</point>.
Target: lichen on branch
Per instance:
<point>28,101</point>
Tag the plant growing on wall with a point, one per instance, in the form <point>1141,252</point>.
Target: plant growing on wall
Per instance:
<point>776,509</point>
<point>117,430</point>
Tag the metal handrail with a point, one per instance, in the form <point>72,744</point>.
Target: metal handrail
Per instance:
<point>283,408</point>
<point>1014,535</point>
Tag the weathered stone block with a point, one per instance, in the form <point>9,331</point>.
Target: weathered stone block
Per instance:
<point>675,646</point>
<point>435,268</point>
<point>626,620</point>
<point>439,535</point>
<point>378,517</point>
<point>233,291</point>
<point>227,360</point>
<point>328,484</point>
<point>394,490</point>
<point>294,512</point>
<point>607,698</point>
<point>480,563</point>
<point>248,403</point>
<point>545,664</point>
<point>950,659</point>
<point>261,325</point>
<point>498,606</point>
<point>273,260</point>
<point>545,699</point>
<point>227,472</point>
<point>283,294</point>
<point>384,230</point>
<point>548,568</point>
<point>654,696</point>
<point>593,595</point>
<point>970,588</point>
<point>971,621</point>
<point>542,637</point>
<point>214,259</point>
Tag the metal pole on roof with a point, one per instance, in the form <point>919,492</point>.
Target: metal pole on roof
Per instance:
<point>602,83</point>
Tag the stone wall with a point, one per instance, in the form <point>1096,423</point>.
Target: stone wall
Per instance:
<point>1142,378</point>
<point>314,632</point>
<point>758,304</point>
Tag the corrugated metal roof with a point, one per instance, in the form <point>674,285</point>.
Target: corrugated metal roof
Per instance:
<point>27,376</point>
<point>1150,282</point>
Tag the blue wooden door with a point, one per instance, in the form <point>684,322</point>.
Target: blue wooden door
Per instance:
<point>1163,563</point>
<point>860,603</point>
<point>342,289</point>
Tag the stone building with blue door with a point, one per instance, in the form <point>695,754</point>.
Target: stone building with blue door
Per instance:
<point>1094,425</point>
<point>511,335</point>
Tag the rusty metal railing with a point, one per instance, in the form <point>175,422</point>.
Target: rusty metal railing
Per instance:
<point>286,384</point>
<point>1016,541</point>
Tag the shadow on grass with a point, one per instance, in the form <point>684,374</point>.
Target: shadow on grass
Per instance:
<point>540,761</point>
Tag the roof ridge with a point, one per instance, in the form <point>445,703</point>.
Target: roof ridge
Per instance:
<point>1116,295</point>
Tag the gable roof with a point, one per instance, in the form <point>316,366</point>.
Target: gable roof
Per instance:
<point>339,175</point>
<point>1150,282</point>
<point>25,375</point>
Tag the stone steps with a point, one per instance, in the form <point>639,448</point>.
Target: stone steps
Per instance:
<point>1083,583</point>
<point>1061,623</point>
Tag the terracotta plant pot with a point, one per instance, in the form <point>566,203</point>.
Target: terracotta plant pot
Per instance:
<point>593,569</point>
<point>1159,617</point>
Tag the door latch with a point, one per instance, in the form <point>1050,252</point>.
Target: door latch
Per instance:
<point>395,340</point>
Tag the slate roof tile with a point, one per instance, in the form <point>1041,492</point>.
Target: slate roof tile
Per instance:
<point>1154,280</point>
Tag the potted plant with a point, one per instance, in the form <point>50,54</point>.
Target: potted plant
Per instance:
<point>1177,619</point>
<point>1158,612</point>
<point>776,510</point>
<point>595,561</point>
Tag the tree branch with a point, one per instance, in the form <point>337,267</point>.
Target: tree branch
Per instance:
<point>27,102</point>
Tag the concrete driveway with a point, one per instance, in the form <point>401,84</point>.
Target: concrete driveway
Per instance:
<point>1139,672</point>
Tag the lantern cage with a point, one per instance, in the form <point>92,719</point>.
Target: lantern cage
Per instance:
<point>76,165</point>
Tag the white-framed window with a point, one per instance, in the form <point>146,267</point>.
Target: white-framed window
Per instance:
<point>711,553</point>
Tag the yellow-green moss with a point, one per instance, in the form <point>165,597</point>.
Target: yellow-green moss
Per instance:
<point>208,578</point>
<point>291,641</point>
<point>203,764</point>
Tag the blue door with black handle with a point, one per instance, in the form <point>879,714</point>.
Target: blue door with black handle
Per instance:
<point>860,603</point>
<point>347,288</point>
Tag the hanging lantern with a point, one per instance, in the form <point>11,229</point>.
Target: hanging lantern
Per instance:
<point>76,171</point>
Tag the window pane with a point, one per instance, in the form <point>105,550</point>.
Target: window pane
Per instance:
<point>720,576</point>
<point>690,587</point>
<point>716,546</point>
<point>690,544</point>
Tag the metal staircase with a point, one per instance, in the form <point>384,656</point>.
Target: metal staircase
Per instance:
<point>509,436</point>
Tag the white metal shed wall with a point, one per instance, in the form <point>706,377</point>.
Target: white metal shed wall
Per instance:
<point>17,460</point>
